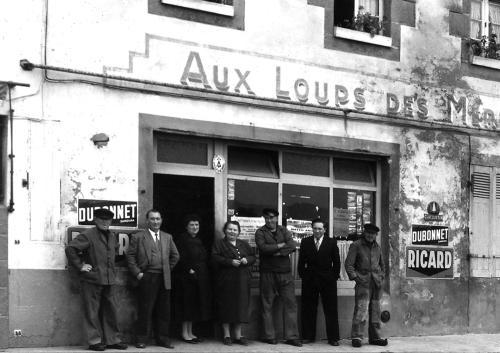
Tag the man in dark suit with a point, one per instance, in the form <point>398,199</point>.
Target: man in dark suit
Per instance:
<point>93,253</point>
<point>151,256</point>
<point>319,268</point>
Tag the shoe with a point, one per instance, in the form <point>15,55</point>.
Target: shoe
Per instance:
<point>294,342</point>
<point>270,340</point>
<point>227,341</point>
<point>333,342</point>
<point>241,341</point>
<point>307,341</point>
<point>191,341</point>
<point>165,344</point>
<point>140,345</point>
<point>379,342</point>
<point>120,346</point>
<point>97,347</point>
<point>197,339</point>
<point>356,343</point>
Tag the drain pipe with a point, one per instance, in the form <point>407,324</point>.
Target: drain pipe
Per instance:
<point>11,85</point>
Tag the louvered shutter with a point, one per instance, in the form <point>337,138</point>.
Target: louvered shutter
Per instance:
<point>481,219</point>
<point>495,233</point>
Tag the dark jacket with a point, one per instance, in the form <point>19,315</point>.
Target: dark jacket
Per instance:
<point>97,249</point>
<point>139,254</point>
<point>322,265</point>
<point>364,262</point>
<point>271,258</point>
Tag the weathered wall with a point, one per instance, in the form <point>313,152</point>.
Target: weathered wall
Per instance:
<point>54,121</point>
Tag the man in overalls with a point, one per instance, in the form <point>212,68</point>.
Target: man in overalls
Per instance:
<point>365,266</point>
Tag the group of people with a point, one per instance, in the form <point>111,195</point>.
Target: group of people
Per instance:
<point>162,267</point>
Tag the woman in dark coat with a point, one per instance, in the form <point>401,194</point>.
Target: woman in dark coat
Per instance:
<point>233,259</point>
<point>192,280</point>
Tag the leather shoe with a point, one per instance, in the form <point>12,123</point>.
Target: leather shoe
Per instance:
<point>294,342</point>
<point>227,341</point>
<point>165,344</point>
<point>140,345</point>
<point>379,342</point>
<point>356,343</point>
<point>120,346</point>
<point>191,341</point>
<point>97,347</point>
<point>333,343</point>
<point>270,340</point>
<point>241,341</point>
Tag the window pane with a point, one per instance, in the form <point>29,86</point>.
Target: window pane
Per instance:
<point>495,18</point>
<point>301,204</point>
<point>354,170</point>
<point>178,150</point>
<point>351,210</point>
<point>249,161</point>
<point>306,164</point>
<point>370,6</point>
<point>475,10</point>
<point>245,201</point>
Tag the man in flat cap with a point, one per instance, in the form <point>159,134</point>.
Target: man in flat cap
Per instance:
<point>275,244</point>
<point>365,266</point>
<point>93,253</point>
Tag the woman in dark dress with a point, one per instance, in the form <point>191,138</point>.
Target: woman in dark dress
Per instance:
<point>233,259</point>
<point>192,280</point>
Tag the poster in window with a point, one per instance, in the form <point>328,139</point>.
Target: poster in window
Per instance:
<point>249,226</point>
<point>340,222</point>
<point>299,228</point>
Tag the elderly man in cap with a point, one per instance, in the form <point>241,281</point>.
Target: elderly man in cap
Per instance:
<point>92,253</point>
<point>365,266</point>
<point>275,244</point>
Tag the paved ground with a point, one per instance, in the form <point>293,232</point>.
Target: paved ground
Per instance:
<point>456,343</point>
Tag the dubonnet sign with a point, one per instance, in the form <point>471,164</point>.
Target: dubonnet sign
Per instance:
<point>125,211</point>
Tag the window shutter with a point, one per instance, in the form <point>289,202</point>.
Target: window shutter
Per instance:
<point>480,235</point>
<point>495,234</point>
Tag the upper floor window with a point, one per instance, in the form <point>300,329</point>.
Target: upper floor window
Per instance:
<point>484,18</point>
<point>220,7</point>
<point>360,15</point>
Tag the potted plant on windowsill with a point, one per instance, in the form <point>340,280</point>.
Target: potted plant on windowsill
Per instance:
<point>485,51</point>
<point>364,27</point>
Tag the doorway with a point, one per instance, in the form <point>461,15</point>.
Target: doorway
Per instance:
<point>176,196</point>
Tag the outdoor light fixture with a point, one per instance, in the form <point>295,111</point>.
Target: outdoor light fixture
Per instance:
<point>100,140</point>
<point>26,65</point>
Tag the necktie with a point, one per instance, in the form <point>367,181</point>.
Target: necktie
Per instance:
<point>156,238</point>
<point>317,244</point>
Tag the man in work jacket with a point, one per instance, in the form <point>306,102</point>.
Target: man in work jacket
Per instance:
<point>365,266</point>
<point>93,253</point>
<point>275,245</point>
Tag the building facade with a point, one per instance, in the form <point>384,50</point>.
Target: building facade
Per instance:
<point>223,108</point>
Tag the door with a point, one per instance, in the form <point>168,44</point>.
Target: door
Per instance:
<point>176,196</point>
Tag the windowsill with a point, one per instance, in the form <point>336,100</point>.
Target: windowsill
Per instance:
<point>364,37</point>
<point>200,5</point>
<point>480,61</point>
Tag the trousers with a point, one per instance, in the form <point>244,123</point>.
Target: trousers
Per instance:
<point>153,308</point>
<point>366,307</point>
<point>283,285</point>
<point>100,313</point>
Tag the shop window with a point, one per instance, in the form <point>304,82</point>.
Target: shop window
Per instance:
<point>485,221</point>
<point>306,164</point>
<point>354,171</point>
<point>251,161</point>
<point>484,18</point>
<point>301,204</point>
<point>180,149</point>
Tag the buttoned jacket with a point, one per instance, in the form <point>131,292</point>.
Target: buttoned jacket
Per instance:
<point>364,261</point>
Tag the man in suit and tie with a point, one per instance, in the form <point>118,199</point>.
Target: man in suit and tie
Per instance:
<point>151,256</point>
<point>319,268</point>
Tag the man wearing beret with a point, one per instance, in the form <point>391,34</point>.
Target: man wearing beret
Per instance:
<point>93,253</point>
<point>275,245</point>
<point>365,266</point>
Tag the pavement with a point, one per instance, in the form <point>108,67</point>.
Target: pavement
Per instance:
<point>479,343</point>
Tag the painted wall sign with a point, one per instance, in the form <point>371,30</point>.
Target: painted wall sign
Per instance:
<point>433,217</point>
<point>429,262</point>
<point>125,211</point>
<point>429,235</point>
<point>123,236</point>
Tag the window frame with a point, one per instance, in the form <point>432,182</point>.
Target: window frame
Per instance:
<point>203,5</point>
<point>485,19</point>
